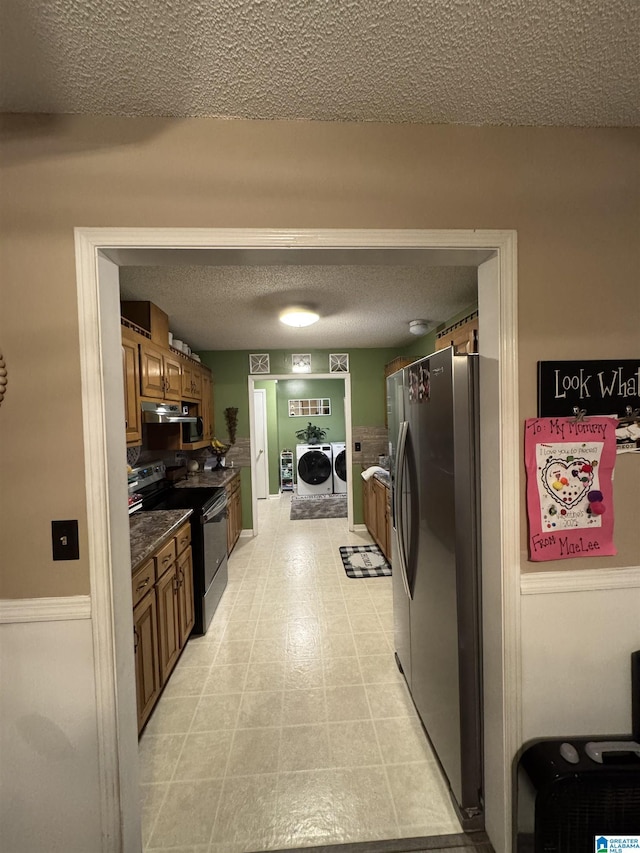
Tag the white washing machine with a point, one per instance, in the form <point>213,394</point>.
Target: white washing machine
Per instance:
<point>339,467</point>
<point>315,469</point>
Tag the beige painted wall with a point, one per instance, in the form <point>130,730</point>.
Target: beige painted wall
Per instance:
<point>573,196</point>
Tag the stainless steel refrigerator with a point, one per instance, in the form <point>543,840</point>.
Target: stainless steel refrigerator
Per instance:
<point>434,448</point>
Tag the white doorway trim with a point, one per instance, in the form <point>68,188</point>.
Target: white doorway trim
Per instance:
<point>103,412</point>
<point>260,377</point>
<point>258,424</point>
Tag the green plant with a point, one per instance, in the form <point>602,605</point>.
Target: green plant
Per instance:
<point>312,434</point>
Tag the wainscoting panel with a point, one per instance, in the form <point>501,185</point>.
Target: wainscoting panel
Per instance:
<point>576,647</point>
<point>49,784</point>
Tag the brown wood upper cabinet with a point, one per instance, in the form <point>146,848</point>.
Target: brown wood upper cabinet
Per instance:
<point>152,371</point>
<point>131,375</point>
<point>160,373</point>
<point>462,336</point>
<point>191,381</point>
<point>206,411</point>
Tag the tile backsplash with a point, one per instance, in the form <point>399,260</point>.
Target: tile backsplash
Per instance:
<point>373,443</point>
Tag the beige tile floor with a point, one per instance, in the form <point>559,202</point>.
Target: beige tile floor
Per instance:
<point>288,724</point>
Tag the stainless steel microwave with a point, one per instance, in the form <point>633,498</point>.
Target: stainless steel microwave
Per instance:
<point>192,431</point>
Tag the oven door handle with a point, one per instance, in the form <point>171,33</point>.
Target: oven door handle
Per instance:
<point>219,508</point>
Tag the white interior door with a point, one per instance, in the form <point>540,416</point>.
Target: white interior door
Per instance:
<point>261,458</point>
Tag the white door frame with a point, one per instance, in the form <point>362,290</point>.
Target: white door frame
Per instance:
<point>264,462</point>
<point>102,400</point>
<point>259,377</point>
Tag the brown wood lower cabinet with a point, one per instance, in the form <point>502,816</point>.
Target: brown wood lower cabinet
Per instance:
<point>234,508</point>
<point>145,639</point>
<point>168,621</point>
<point>367,504</point>
<point>376,510</point>
<point>163,617</point>
<point>380,497</point>
<point>186,613</point>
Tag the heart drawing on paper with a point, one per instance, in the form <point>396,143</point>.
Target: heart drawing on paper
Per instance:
<point>567,482</point>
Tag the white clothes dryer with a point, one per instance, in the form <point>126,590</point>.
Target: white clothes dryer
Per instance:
<point>315,469</point>
<point>339,467</point>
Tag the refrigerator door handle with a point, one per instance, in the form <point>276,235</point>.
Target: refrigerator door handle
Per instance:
<point>400,469</point>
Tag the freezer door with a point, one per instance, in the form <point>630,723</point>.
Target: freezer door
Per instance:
<point>434,619</point>
<point>396,394</point>
<point>441,637</point>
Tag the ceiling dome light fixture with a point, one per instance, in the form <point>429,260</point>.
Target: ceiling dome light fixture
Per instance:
<point>418,327</point>
<point>299,316</point>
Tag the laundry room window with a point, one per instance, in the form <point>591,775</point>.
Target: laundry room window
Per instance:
<point>306,408</point>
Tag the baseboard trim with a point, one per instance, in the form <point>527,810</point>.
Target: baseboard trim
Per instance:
<point>63,609</point>
<point>476,842</point>
<point>583,580</point>
<point>360,528</point>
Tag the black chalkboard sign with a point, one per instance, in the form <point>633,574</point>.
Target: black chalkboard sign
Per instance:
<point>598,387</point>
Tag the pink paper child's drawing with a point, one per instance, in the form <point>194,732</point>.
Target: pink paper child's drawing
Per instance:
<point>569,496</point>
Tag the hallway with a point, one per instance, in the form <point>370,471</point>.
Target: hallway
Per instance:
<point>288,724</point>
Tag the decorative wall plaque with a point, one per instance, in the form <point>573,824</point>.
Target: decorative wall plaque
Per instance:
<point>309,408</point>
<point>259,363</point>
<point>599,387</point>
<point>301,362</point>
<point>339,362</point>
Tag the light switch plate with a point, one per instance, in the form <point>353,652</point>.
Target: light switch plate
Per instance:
<point>64,540</point>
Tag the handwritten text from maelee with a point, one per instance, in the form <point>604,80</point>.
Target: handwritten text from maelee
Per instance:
<point>582,545</point>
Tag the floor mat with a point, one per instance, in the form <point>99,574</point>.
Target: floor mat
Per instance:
<point>364,561</point>
<point>322,506</point>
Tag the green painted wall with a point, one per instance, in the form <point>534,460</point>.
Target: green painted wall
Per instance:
<point>303,389</point>
<point>368,392</point>
<point>420,347</point>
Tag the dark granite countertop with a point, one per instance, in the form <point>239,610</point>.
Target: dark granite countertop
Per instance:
<point>381,474</point>
<point>221,477</point>
<point>148,530</point>
<point>384,477</point>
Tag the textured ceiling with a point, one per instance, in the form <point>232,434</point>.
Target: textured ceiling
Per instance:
<point>526,62</point>
<point>237,307</point>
